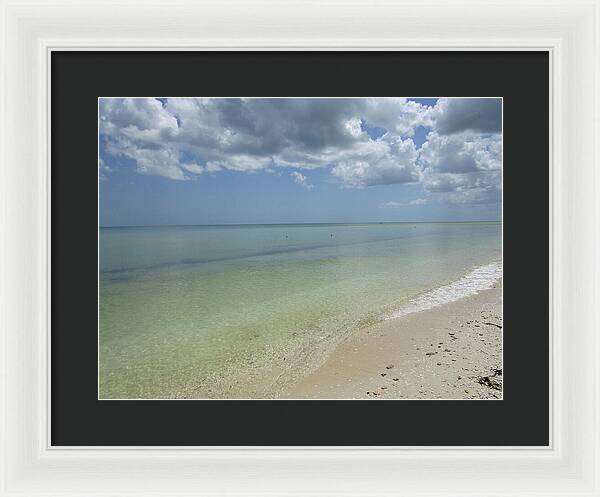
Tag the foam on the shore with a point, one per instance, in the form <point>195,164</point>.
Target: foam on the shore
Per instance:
<point>481,278</point>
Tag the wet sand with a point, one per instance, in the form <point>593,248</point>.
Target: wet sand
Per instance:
<point>453,351</point>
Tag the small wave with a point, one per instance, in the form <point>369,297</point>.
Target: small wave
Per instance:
<point>481,278</point>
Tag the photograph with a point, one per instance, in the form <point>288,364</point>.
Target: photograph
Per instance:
<point>290,271</point>
<point>300,248</point>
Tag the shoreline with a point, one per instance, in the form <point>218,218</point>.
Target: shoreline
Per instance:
<point>427,349</point>
<point>451,351</point>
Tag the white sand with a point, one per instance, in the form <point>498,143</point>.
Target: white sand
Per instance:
<point>453,351</point>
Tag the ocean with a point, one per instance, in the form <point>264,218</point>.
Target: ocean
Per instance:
<point>240,311</point>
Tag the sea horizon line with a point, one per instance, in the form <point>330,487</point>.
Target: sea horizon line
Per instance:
<point>291,224</point>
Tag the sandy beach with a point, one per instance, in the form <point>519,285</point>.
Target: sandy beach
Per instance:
<point>453,351</point>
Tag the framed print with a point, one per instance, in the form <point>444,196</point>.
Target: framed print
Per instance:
<point>287,259</point>
<point>241,246</point>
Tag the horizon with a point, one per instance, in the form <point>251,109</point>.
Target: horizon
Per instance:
<point>297,224</point>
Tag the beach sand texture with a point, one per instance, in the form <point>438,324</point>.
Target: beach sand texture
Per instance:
<point>452,351</point>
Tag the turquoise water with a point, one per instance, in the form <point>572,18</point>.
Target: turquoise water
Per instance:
<point>238,311</point>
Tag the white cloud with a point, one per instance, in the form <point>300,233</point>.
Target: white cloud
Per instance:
<point>462,158</point>
<point>463,167</point>
<point>461,153</point>
<point>254,134</point>
<point>397,115</point>
<point>193,168</point>
<point>142,114</point>
<point>389,160</point>
<point>395,205</point>
<point>179,138</point>
<point>300,179</point>
<point>489,194</point>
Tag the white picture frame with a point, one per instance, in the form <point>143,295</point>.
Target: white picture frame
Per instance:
<point>568,30</point>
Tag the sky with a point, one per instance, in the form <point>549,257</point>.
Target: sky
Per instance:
<point>179,161</point>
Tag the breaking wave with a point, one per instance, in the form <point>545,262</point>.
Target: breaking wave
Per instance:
<point>481,278</point>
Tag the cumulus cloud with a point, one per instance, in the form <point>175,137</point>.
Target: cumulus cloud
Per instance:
<point>479,188</point>
<point>461,161</point>
<point>463,168</point>
<point>488,194</point>
<point>397,115</point>
<point>255,134</point>
<point>390,160</point>
<point>462,153</point>
<point>394,205</point>
<point>300,179</point>
<point>182,138</point>
<point>453,115</point>
<point>193,168</point>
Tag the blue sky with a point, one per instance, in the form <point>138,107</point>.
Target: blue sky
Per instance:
<point>223,161</point>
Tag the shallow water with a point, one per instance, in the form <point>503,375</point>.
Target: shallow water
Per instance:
<point>232,311</point>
